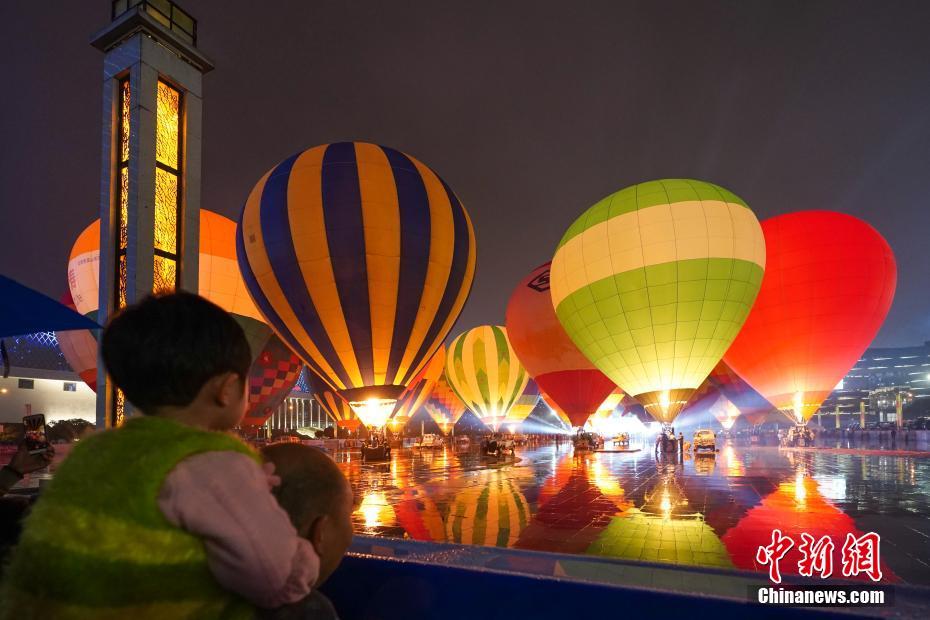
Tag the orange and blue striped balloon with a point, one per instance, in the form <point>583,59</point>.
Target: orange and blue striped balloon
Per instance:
<point>361,258</point>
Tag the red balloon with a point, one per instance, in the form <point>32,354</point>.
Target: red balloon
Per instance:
<point>562,372</point>
<point>829,281</point>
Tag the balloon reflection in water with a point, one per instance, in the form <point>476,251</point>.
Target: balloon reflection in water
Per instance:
<point>574,505</point>
<point>491,513</point>
<point>375,511</point>
<point>418,514</point>
<point>795,507</point>
<point>664,529</point>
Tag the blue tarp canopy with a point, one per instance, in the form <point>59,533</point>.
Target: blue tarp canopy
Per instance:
<point>25,311</point>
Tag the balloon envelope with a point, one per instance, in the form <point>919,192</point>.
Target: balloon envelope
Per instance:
<point>419,390</point>
<point>334,405</point>
<point>654,282</point>
<point>548,354</point>
<point>524,406</point>
<point>829,282</point>
<point>360,257</point>
<point>79,346</point>
<point>444,406</point>
<point>485,373</point>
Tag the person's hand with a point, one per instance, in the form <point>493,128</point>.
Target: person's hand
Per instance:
<point>26,463</point>
<point>270,476</point>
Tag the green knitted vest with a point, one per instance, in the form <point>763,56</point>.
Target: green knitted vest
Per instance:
<point>96,544</point>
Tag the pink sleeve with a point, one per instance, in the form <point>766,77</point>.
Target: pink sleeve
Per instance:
<point>252,548</point>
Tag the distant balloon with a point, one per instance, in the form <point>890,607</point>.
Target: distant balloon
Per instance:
<point>272,376</point>
<point>653,283</point>
<point>444,406</point>
<point>79,348</point>
<point>275,369</point>
<point>561,415</point>
<point>829,282</point>
<point>419,390</point>
<point>750,403</point>
<point>334,405</point>
<point>524,406</point>
<point>604,419</point>
<point>724,412</point>
<point>548,354</point>
<point>485,373</point>
<point>361,258</point>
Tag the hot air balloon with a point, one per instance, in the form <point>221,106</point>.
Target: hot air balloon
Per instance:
<point>444,406</point>
<point>79,347</point>
<point>605,421</point>
<point>548,354</point>
<point>561,415</point>
<point>334,405</point>
<point>419,390</point>
<point>653,283</point>
<point>750,403</point>
<point>485,373</point>
<point>361,258</point>
<point>275,369</point>
<point>724,412</point>
<point>524,406</point>
<point>829,282</point>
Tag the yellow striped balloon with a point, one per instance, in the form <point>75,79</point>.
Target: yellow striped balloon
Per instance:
<point>492,512</point>
<point>361,258</point>
<point>524,406</point>
<point>483,370</point>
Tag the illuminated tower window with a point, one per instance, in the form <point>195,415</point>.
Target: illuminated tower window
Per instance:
<point>123,191</point>
<point>122,164</point>
<point>167,188</point>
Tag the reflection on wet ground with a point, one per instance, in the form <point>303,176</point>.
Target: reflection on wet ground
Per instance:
<point>705,511</point>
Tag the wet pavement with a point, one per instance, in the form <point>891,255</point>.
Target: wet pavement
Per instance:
<point>712,511</point>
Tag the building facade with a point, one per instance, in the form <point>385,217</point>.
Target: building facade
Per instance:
<point>880,379</point>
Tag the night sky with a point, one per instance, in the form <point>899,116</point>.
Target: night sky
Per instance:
<point>530,111</point>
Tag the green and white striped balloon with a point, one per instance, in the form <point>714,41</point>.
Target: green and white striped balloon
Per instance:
<point>484,372</point>
<point>654,282</point>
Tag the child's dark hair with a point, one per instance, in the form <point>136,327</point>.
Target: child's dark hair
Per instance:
<point>162,350</point>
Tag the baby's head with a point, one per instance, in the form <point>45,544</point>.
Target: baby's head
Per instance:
<point>179,352</point>
<point>317,497</point>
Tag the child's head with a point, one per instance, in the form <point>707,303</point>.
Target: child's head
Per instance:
<point>178,352</point>
<point>317,497</point>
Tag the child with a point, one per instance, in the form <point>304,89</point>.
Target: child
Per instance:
<point>166,516</point>
<point>318,499</point>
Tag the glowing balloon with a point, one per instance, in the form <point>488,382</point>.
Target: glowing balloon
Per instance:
<point>653,283</point>
<point>548,354</point>
<point>750,403</point>
<point>79,348</point>
<point>334,405</point>
<point>524,406</point>
<point>272,376</point>
<point>361,258</point>
<point>561,415</point>
<point>725,412</point>
<point>84,270</point>
<point>606,419</point>
<point>444,406</point>
<point>829,282</point>
<point>485,373</point>
<point>419,390</point>
<point>275,369</point>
